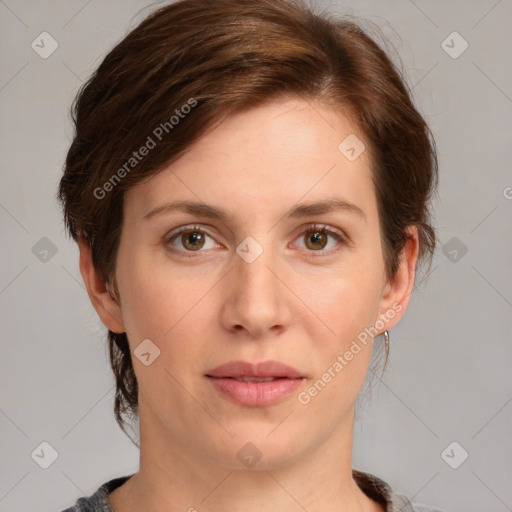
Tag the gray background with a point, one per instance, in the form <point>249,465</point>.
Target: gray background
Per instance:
<point>448,378</point>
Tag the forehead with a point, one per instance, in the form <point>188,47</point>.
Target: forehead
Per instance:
<point>269,157</point>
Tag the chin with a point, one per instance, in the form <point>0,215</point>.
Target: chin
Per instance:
<point>258,447</point>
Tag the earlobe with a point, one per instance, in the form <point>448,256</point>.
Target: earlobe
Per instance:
<point>103,301</point>
<point>398,292</point>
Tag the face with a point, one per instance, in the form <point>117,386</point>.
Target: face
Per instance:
<point>252,276</point>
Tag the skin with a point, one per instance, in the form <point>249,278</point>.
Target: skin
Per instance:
<point>292,304</point>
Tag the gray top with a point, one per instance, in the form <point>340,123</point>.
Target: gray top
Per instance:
<point>371,485</point>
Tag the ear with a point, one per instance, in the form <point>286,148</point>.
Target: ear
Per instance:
<point>396,294</point>
<point>104,303</point>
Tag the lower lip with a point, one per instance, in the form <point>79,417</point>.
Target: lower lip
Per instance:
<point>255,393</point>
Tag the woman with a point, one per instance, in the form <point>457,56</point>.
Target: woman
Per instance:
<point>249,188</point>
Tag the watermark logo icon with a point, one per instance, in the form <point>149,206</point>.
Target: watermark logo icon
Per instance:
<point>454,45</point>
<point>44,45</point>
<point>249,455</point>
<point>454,249</point>
<point>249,249</point>
<point>454,455</point>
<point>44,455</point>
<point>44,250</point>
<point>352,147</point>
<point>146,352</point>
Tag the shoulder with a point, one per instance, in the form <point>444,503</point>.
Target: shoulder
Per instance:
<point>402,503</point>
<point>98,501</point>
<point>381,491</point>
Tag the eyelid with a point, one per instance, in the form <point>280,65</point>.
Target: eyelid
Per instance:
<point>341,236</point>
<point>183,229</point>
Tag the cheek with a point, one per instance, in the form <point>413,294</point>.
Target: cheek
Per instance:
<point>347,299</point>
<point>143,303</point>
<point>163,304</point>
<point>347,302</point>
<point>171,310</point>
<point>341,358</point>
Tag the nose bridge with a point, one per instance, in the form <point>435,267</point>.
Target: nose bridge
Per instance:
<point>256,300</point>
<point>252,267</point>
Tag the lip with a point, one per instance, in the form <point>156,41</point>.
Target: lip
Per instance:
<point>255,394</point>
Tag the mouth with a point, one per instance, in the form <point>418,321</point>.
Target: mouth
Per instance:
<point>263,370</point>
<point>255,385</point>
<point>255,379</point>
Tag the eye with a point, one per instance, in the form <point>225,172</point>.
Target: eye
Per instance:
<point>316,238</point>
<point>191,239</point>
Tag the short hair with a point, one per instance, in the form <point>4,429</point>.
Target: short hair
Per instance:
<point>193,62</point>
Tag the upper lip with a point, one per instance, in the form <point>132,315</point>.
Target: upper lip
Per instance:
<point>237,369</point>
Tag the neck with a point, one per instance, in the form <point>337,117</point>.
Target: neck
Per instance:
<point>173,477</point>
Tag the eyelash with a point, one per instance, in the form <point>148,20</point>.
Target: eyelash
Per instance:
<point>320,228</point>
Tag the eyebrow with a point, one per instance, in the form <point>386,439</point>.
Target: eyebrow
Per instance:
<point>299,211</point>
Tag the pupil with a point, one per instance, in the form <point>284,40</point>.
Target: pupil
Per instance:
<point>192,239</point>
<point>316,238</point>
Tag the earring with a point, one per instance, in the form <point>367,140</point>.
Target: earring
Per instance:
<point>386,338</point>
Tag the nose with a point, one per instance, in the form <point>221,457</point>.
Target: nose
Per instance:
<point>256,301</point>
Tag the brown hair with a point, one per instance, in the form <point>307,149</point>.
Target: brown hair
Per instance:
<point>193,62</point>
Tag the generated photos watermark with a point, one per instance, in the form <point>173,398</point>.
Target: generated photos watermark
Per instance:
<point>158,133</point>
<point>305,397</point>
